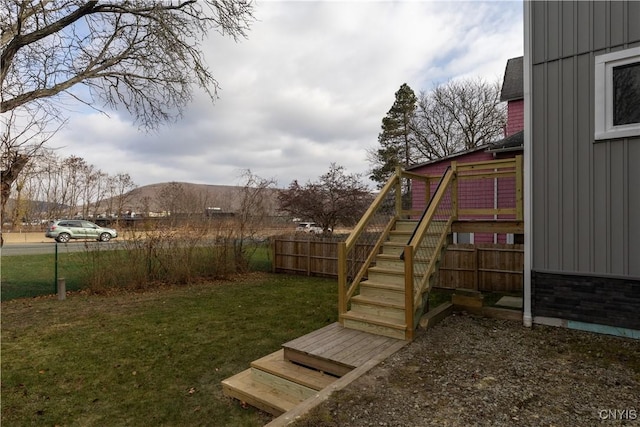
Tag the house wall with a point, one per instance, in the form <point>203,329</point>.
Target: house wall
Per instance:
<point>585,195</point>
<point>515,115</point>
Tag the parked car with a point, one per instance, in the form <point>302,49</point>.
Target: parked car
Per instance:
<point>309,227</point>
<point>66,229</point>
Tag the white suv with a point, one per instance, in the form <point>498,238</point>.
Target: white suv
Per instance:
<point>67,229</point>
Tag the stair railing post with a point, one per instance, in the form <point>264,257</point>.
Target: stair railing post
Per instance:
<point>399,192</point>
<point>454,191</point>
<point>408,291</point>
<point>519,188</point>
<point>342,280</point>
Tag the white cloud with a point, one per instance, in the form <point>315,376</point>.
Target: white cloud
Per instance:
<point>309,87</point>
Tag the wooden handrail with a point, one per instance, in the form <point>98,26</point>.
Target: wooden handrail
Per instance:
<point>345,248</point>
<point>487,164</point>
<point>365,265</point>
<point>413,293</point>
<point>432,263</point>
<point>360,227</point>
<point>431,209</point>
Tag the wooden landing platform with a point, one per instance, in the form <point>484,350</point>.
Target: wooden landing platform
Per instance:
<point>337,350</point>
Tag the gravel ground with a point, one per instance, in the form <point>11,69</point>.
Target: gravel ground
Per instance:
<point>473,371</point>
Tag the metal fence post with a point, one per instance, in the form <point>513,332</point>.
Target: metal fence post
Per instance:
<point>62,289</point>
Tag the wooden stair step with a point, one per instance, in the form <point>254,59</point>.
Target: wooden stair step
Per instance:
<point>387,270</point>
<point>372,289</point>
<point>246,388</point>
<point>380,307</point>
<point>381,301</point>
<point>276,364</point>
<point>381,321</point>
<point>408,225</point>
<point>385,326</point>
<point>400,236</point>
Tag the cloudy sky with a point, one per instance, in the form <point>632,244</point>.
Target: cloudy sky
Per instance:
<point>309,87</point>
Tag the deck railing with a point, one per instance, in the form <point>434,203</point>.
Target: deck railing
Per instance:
<point>490,190</point>
<point>421,253</point>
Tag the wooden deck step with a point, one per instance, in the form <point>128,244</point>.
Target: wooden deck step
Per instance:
<point>379,307</point>
<point>383,326</point>
<point>276,364</point>
<point>386,275</point>
<point>377,290</point>
<point>400,236</point>
<point>246,388</point>
<point>384,302</point>
<point>406,225</point>
<point>389,261</point>
<point>335,349</point>
<point>395,262</point>
<point>396,248</point>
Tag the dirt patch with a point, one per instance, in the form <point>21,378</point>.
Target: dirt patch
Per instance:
<point>473,371</point>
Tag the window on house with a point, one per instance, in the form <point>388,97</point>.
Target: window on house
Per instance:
<point>626,94</point>
<point>515,239</point>
<point>463,238</point>
<point>617,94</point>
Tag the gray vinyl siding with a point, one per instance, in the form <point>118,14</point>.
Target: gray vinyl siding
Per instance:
<point>585,195</point>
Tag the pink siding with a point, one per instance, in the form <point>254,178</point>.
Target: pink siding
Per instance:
<point>471,193</point>
<point>515,117</point>
<point>478,194</point>
<point>438,169</point>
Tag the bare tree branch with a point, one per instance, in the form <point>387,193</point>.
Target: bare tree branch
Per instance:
<point>142,55</point>
<point>48,48</point>
<point>457,116</point>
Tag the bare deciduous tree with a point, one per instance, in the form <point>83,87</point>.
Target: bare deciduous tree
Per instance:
<point>141,55</point>
<point>336,199</point>
<point>119,190</point>
<point>23,134</point>
<point>122,52</point>
<point>457,116</point>
<point>251,217</point>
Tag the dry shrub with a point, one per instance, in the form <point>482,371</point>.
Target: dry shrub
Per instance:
<point>176,256</point>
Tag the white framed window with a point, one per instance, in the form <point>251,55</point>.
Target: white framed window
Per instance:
<point>463,238</point>
<point>617,94</point>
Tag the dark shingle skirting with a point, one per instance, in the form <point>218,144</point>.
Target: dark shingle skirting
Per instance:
<point>613,301</point>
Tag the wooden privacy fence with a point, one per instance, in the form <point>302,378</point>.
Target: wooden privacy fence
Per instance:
<point>308,255</point>
<point>485,267</point>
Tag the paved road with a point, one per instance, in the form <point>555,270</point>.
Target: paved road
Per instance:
<point>12,249</point>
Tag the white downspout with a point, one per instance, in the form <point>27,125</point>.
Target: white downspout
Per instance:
<point>527,317</point>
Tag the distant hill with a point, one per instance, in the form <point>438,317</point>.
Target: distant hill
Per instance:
<point>227,198</point>
<point>193,198</point>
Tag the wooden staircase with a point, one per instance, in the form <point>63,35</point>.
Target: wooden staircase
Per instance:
<point>374,326</point>
<point>381,298</point>
<point>379,308</point>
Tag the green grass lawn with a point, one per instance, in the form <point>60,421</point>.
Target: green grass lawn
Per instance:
<point>32,275</point>
<point>35,275</point>
<point>154,358</point>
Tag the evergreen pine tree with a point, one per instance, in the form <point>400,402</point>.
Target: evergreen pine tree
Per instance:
<point>396,138</point>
